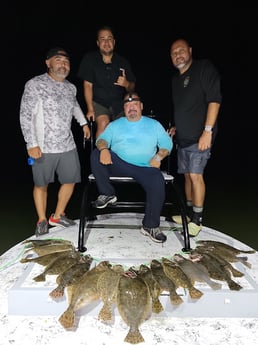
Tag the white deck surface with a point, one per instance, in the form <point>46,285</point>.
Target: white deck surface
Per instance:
<point>28,315</point>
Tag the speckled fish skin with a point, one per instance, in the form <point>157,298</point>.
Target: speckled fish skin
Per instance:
<point>222,261</point>
<point>51,248</point>
<point>82,293</point>
<point>107,288</point>
<point>225,246</point>
<point>226,254</point>
<point>164,282</point>
<point>175,273</point>
<point>134,305</point>
<point>71,276</point>
<point>145,273</point>
<point>44,260</point>
<point>38,243</point>
<point>62,263</point>
<point>215,269</point>
<point>195,271</point>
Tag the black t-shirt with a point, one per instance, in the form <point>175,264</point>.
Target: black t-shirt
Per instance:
<point>192,91</point>
<point>103,76</point>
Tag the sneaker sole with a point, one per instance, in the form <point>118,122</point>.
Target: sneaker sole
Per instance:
<point>145,233</point>
<point>60,225</point>
<point>111,202</point>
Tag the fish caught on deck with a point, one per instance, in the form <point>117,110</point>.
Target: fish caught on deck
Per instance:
<point>107,287</point>
<point>71,276</point>
<point>195,271</point>
<point>60,264</point>
<point>82,293</point>
<point>165,282</point>
<point>175,273</point>
<point>133,304</point>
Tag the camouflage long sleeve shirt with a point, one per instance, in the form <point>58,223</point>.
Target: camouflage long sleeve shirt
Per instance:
<point>46,111</point>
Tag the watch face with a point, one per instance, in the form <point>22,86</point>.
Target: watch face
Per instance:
<point>208,128</point>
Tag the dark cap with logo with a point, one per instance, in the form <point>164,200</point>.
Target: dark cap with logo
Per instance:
<point>57,51</point>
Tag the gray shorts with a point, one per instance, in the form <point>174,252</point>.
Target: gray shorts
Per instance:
<point>101,110</point>
<point>65,165</point>
<point>192,160</point>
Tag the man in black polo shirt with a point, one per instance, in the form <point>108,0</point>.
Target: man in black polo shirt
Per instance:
<point>106,77</point>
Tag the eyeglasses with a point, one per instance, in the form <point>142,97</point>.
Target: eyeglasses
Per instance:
<point>132,99</point>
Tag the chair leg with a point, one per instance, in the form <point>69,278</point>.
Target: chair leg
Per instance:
<point>81,246</point>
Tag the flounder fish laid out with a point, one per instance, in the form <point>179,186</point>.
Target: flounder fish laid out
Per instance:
<point>225,246</point>
<point>145,273</point>
<point>107,287</point>
<point>135,291</point>
<point>165,282</point>
<point>216,270</point>
<point>227,252</point>
<point>82,293</point>
<point>60,264</point>
<point>133,304</point>
<point>71,276</point>
<point>221,260</point>
<point>177,275</point>
<point>44,260</point>
<point>51,248</point>
<point>195,271</point>
<point>40,243</point>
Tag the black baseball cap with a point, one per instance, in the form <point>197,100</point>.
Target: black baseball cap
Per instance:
<point>57,51</point>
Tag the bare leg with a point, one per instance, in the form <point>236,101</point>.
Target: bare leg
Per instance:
<point>64,195</point>
<point>198,189</point>
<point>102,121</point>
<point>40,200</point>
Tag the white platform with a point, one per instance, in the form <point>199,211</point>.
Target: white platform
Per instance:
<point>116,237</point>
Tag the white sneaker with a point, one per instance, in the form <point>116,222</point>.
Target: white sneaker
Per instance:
<point>178,219</point>
<point>194,229</point>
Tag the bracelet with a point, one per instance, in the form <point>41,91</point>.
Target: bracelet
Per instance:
<point>104,148</point>
<point>157,158</point>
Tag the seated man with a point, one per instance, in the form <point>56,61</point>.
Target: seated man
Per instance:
<point>133,145</point>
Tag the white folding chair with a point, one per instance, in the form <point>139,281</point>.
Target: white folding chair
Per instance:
<point>88,211</point>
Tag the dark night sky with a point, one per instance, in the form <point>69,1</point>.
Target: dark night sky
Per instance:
<point>218,35</point>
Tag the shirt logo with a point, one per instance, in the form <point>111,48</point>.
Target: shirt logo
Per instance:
<point>186,81</point>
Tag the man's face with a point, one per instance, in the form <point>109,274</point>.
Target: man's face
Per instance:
<point>106,42</point>
<point>181,54</point>
<point>58,67</point>
<point>133,108</point>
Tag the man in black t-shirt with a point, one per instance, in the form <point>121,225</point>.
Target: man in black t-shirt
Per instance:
<point>106,77</point>
<point>196,99</point>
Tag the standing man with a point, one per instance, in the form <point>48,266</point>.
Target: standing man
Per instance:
<point>196,96</point>
<point>133,145</point>
<point>47,107</point>
<point>106,77</point>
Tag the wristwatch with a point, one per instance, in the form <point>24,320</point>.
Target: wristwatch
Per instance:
<point>208,128</point>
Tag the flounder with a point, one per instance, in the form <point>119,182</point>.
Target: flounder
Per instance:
<point>145,273</point>
<point>133,304</point>
<point>165,283</point>
<point>175,273</point>
<point>60,264</point>
<point>215,268</point>
<point>107,288</point>
<point>44,260</point>
<point>195,271</point>
<point>82,293</point>
<point>71,276</point>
